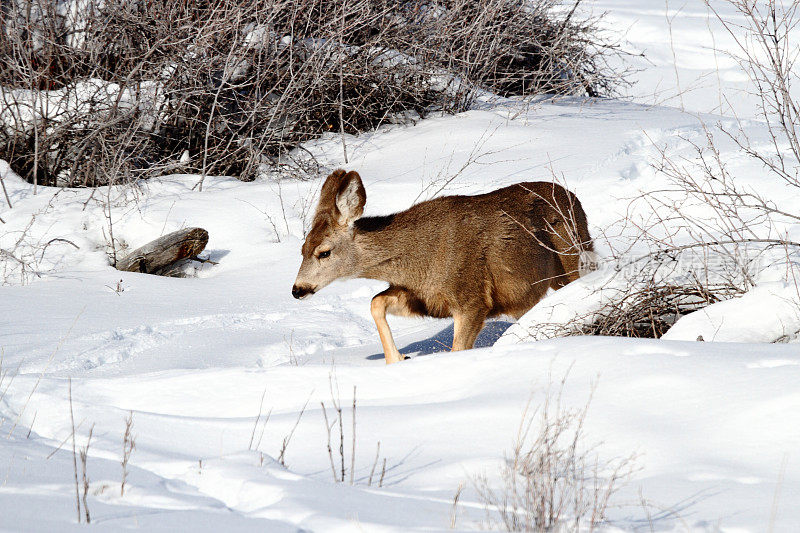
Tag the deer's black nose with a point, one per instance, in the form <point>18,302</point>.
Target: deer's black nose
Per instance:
<point>301,292</point>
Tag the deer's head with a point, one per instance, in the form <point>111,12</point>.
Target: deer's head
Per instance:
<point>329,252</point>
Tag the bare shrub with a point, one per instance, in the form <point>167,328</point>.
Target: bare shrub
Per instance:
<point>767,51</point>
<point>643,296</point>
<point>745,230</point>
<point>18,262</point>
<point>649,312</point>
<point>95,91</point>
<point>640,296</point>
<point>708,236</point>
<point>514,47</point>
<point>552,480</point>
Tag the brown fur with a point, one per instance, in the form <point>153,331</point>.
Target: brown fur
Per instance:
<point>469,257</point>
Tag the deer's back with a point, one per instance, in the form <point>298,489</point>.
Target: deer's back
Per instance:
<point>499,249</point>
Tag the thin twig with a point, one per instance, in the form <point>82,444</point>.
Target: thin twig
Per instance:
<point>353,450</point>
<point>258,417</point>
<point>128,444</point>
<point>84,459</point>
<point>74,455</point>
<point>375,463</point>
<point>288,438</point>
<point>383,473</point>
<point>328,427</point>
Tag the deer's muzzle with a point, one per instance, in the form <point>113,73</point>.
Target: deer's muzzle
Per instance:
<point>301,292</point>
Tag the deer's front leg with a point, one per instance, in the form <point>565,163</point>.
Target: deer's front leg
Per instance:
<point>395,301</point>
<point>466,327</point>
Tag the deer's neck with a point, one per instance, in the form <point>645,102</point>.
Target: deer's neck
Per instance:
<point>387,250</point>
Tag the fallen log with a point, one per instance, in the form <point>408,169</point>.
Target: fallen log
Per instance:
<point>165,251</point>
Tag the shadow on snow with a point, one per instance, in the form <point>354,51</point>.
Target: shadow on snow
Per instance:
<point>442,341</point>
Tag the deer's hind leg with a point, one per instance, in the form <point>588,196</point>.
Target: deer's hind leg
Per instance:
<point>396,301</point>
<point>466,327</point>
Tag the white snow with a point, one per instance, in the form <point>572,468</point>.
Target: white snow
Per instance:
<point>714,425</point>
<point>93,98</point>
<point>690,60</point>
<point>767,313</point>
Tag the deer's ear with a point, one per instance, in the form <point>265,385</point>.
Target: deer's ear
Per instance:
<point>350,198</point>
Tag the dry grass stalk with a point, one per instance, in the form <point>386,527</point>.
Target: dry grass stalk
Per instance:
<point>337,407</point>
<point>353,449</point>
<point>328,427</point>
<point>340,475</point>
<point>551,480</point>
<point>258,417</point>
<point>342,471</point>
<point>74,454</point>
<point>128,444</point>
<point>84,455</point>
<point>287,439</point>
<point>454,509</point>
<point>375,463</point>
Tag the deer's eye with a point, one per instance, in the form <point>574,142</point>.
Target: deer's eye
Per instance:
<point>323,255</point>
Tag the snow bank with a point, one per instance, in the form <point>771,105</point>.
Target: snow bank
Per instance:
<point>564,311</point>
<point>767,313</point>
<point>192,357</point>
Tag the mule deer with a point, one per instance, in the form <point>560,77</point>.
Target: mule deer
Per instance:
<point>469,257</point>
